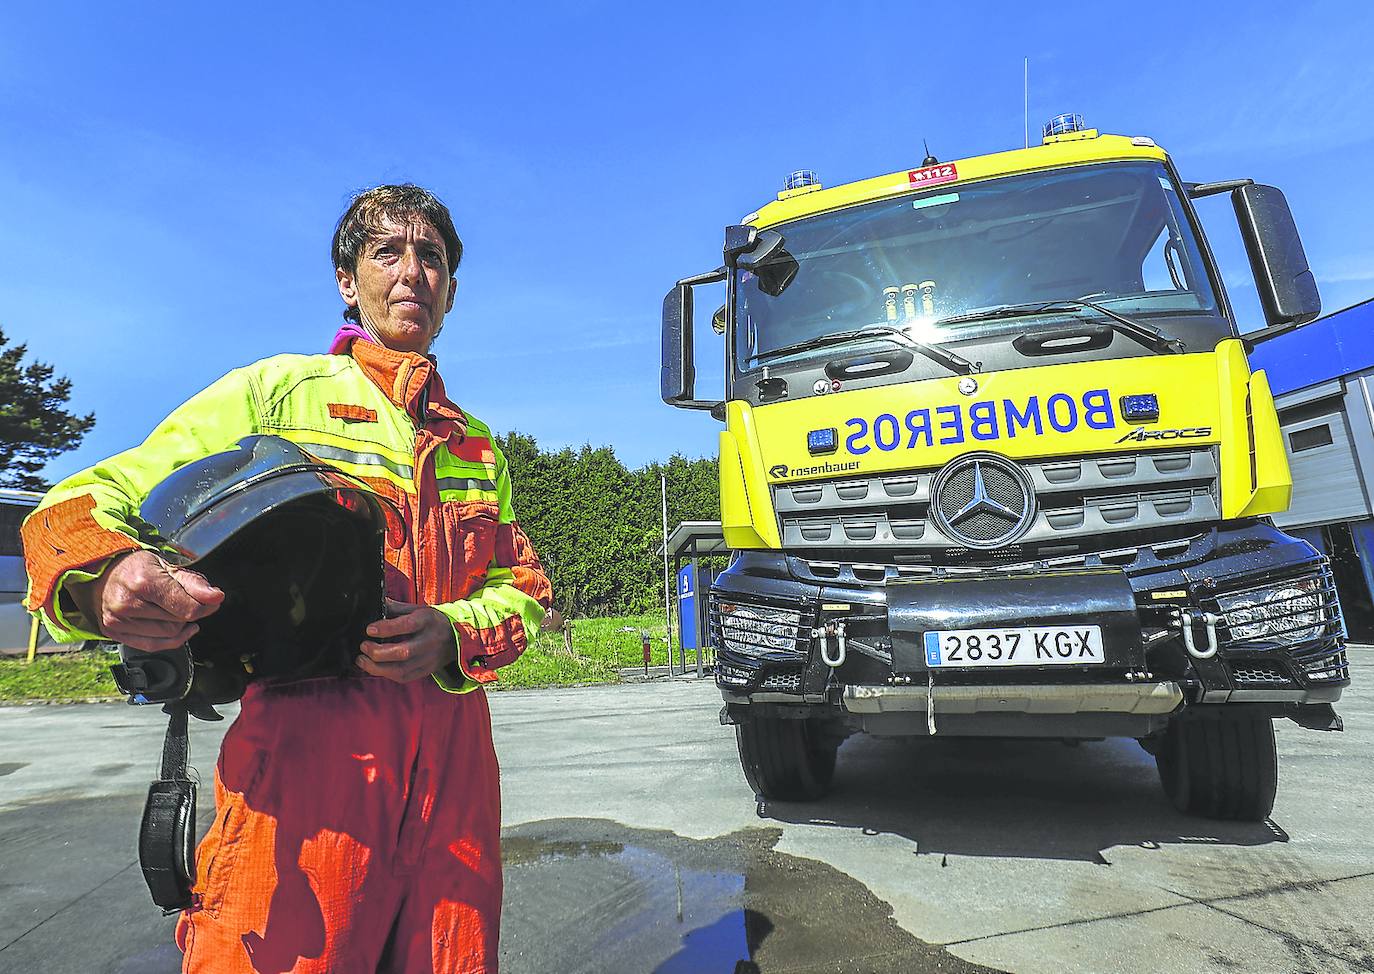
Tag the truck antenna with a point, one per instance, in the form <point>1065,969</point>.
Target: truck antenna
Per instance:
<point>929,160</point>
<point>1025,99</point>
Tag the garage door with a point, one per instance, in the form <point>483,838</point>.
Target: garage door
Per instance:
<point>1326,476</point>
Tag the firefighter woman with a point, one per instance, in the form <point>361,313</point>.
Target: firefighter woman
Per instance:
<point>358,816</point>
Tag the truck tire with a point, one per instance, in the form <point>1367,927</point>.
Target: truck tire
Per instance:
<point>1223,766</point>
<point>786,760</point>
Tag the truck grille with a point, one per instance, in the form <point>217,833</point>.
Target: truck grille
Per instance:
<point>783,680</point>
<point>1249,673</point>
<point>1077,501</point>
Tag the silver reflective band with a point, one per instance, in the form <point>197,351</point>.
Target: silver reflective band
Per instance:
<point>465,483</point>
<point>325,452</point>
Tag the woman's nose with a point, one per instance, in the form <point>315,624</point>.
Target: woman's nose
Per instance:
<point>410,266</point>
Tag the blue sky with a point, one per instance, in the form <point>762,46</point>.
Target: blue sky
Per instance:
<point>170,176</point>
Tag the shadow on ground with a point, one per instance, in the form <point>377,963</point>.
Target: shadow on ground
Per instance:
<point>590,895</point>
<point>1025,799</point>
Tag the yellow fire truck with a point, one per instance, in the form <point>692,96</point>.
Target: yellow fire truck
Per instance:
<point>994,463</point>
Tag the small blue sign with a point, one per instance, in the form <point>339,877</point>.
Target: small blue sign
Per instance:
<point>932,649</point>
<point>686,608</point>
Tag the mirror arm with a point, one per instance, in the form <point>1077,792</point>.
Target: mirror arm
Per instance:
<point>706,405</point>
<point>1265,334</point>
<point>710,277</point>
<point>1197,191</point>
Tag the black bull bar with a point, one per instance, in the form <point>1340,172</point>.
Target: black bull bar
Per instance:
<point>1070,598</point>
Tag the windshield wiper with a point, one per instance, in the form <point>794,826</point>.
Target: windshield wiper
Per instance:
<point>1144,334</point>
<point>950,360</point>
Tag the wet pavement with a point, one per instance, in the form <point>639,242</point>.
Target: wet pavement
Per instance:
<point>632,844</point>
<point>732,904</point>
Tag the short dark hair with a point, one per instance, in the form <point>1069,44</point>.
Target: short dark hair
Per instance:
<point>397,202</point>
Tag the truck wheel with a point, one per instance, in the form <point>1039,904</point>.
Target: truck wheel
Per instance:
<point>1220,767</point>
<point>786,760</point>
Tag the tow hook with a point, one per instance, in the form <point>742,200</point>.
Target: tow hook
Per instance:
<point>1186,619</point>
<point>824,634</point>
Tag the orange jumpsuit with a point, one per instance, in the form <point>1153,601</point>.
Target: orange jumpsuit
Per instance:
<point>357,823</point>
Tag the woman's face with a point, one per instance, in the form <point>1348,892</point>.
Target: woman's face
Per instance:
<point>402,284</point>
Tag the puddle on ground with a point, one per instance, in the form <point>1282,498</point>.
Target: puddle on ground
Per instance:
<point>10,767</point>
<point>587,895</point>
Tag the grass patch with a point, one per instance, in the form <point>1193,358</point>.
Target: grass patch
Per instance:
<point>600,649</point>
<point>58,676</point>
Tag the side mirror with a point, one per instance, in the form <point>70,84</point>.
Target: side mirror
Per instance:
<point>738,240</point>
<point>766,244</point>
<point>678,373</point>
<point>770,262</point>
<point>1287,288</point>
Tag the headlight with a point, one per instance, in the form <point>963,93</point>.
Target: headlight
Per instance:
<point>756,629</point>
<point>1288,612</point>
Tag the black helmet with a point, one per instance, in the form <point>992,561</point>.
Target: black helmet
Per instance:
<point>296,546</point>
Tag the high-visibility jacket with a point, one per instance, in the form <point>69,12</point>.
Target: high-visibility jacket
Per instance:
<point>378,414</point>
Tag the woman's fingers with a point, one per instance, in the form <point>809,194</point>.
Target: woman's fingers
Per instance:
<point>389,652</point>
<point>186,595</point>
<point>402,671</point>
<point>402,625</point>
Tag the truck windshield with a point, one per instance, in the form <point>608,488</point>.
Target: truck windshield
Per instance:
<point>1114,234</point>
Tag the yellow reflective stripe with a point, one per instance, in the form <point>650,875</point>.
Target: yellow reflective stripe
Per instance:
<point>401,458</point>
<point>445,465</point>
<point>468,496</point>
<point>356,463</point>
<point>371,470</point>
<point>333,454</point>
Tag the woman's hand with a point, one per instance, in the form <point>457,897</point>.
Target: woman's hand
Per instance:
<point>420,642</point>
<point>145,603</point>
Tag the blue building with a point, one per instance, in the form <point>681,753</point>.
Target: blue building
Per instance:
<point>1323,381</point>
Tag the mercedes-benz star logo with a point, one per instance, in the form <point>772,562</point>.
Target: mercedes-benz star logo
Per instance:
<point>982,500</point>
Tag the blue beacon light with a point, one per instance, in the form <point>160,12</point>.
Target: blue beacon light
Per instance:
<point>1143,408</point>
<point>1063,124</point>
<point>823,441</point>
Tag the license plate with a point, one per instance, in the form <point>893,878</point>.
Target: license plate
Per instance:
<point>1024,646</point>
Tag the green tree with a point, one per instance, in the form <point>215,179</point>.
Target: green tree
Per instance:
<point>597,525</point>
<point>34,426</point>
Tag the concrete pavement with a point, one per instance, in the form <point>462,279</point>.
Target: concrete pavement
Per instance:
<point>633,844</point>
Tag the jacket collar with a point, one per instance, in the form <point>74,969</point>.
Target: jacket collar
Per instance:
<point>410,380</point>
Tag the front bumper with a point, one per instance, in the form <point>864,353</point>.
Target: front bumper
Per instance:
<point>1081,698</point>
<point>1195,575</point>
